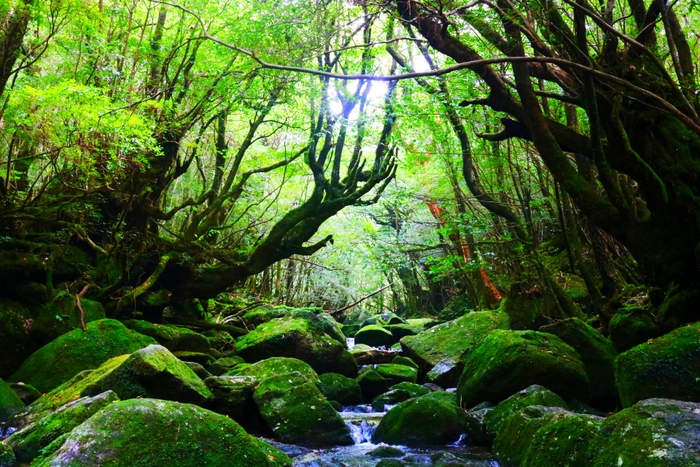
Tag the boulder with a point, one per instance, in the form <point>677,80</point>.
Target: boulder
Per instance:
<point>597,354</point>
<point>323,321</point>
<point>233,396</point>
<point>401,360</point>
<point>297,412</point>
<point>374,335</point>
<point>516,435</point>
<point>29,441</point>
<point>564,441</point>
<point>346,365</point>
<point>15,328</point>
<point>291,337</point>
<point>10,403</point>
<point>173,338</point>
<point>222,365</point>
<point>651,433</point>
<point>629,328</point>
<point>445,373</point>
<point>384,318</point>
<point>26,392</point>
<point>198,369</point>
<point>341,389</point>
<point>394,374</point>
<point>414,390</point>
<point>372,384</point>
<point>533,395</point>
<point>424,421</point>
<point>391,397</point>
<point>402,330</point>
<point>158,433</point>
<point>526,308</point>
<point>366,355</point>
<point>454,339</point>
<point>665,367</point>
<point>7,456</point>
<point>510,361</point>
<point>475,426</point>
<point>79,350</point>
<point>202,358</point>
<point>62,315</point>
<point>279,366</point>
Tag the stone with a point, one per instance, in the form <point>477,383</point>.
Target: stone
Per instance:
<point>454,339</point>
<point>173,338</point>
<point>666,367</point>
<point>336,387</point>
<point>651,433</point>
<point>365,355</point>
<point>29,441</point>
<point>374,335</point>
<point>424,421</point>
<point>475,426</point>
<point>394,374</point>
<point>401,360</point>
<point>79,350</point>
<point>629,328</point>
<point>10,403</point>
<point>414,390</point>
<point>233,396</point>
<point>597,355</point>
<point>510,361</point>
<point>276,366</point>
<point>445,373</point>
<point>386,451</point>
<point>158,433</point>
<point>297,412</point>
<point>26,392</point>
<point>564,441</point>
<point>222,365</point>
<point>402,330</point>
<point>203,359</point>
<point>391,397</point>
<point>198,369</point>
<point>372,384</point>
<point>7,456</point>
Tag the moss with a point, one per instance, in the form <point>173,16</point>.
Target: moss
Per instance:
<point>297,412</point>
<point>665,367</point>
<point>276,458</point>
<point>651,433</point>
<point>10,403</point>
<point>394,374</point>
<point>403,330</point>
<point>384,319</point>
<point>440,423</point>
<point>372,384</point>
<point>26,392</point>
<point>454,339</point>
<point>374,335</point>
<point>62,315</point>
<point>632,327</point>
<point>29,441</point>
<point>60,360</point>
<point>445,373</point>
<point>565,441</point>
<point>401,360</point>
<point>527,310</point>
<point>202,358</point>
<point>7,457</point>
<point>391,397</point>
<point>17,342</point>
<point>173,338</point>
<point>233,397</point>
<point>222,365</point>
<point>510,361</point>
<point>415,390</point>
<point>346,365</point>
<point>147,432</point>
<point>597,354</point>
<point>322,321</point>
<point>339,388</point>
<point>533,395</point>
<point>279,366</point>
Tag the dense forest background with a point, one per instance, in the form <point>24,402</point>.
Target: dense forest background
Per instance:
<point>191,157</point>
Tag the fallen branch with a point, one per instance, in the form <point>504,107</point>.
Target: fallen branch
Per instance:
<point>80,306</point>
<point>360,300</point>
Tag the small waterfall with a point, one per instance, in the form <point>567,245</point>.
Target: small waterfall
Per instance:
<point>361,430</point>
<point>350,342</point>
<point>362,421</point>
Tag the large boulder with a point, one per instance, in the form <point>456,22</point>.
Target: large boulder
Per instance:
<point>665,367</point>
<point>651,433</point>
<point>509,361</point>
<point>79,350</point>
<point>632,327</point>
<point>62,315</point>
<point>341,389</point>
<point>374,335</point>
<point>276,366</point>
<point>597,354</point>
<point>171,337</point>
<point>395,374</point>
<point>233,396</point>
<point>295,338</point>
<point>17,342</point>
<point>298,413</point>
<point>423,421</point>
<point>10,403</point>
<point>563,442</point>
<point>452,340</point>
<point>323,321</point>
<point>372,384</point>
<point>157,433</point>
<point>28,442</point>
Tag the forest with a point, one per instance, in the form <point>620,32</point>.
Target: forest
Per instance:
<point>251,180</point>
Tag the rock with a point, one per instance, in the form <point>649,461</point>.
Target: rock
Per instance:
<point>279,366</point>
<point>402,330</point>
<point>517,433</point>
<point>291,337</point>
<point>433,387</point>
<point>390,463</point>
<point>533,395</point>
<point>220,340</point>
<point>597,354</point>
<point>386,451</point>
<point>475,426</point>
<point>394,374</point>
<point>454,339</point>
<point>222,365</point>
<point>372,384</point>
<point>564,441</point>
<point>29,441</point>
<point>401,360</point>
<point>384,319</point>
<point>630,328</point>
<point>527,309</point>
<point>10,403</point>
<point>7,456</point>
<point>173,338</point>
<point>374,335</point>
<point>233,396</point>
<point>341,389</point>
<point>414,390</point>
<point>391,397</point>
<point>61,316</point>
<point>510,361</point>
<point>365,355</point>
<point>324,321</point>
<point>349,330</point>
<point>423,421</point>
<point>159,433</point>
<point>60,360</point>
<point>346,365</point>
<point>203,359</point>
<point>15,328</point>
<point>297,412</point>
<point>149,372</point>
<point>653,432</point>
<point>198,369</point>
<point>665,367</point>
<point>26,392</point>
<point>446,373</point>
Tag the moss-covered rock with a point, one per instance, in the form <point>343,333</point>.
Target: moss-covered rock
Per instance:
<point>516,435</point>
<point>394,374</point>
<point>454,339</point>
<point>386,451</point>
<point>629,328</point>
<point>173,338</point>
<point>7,456</point>
<point>665,367</point>
<point>292,337</point>
<point>414,390</point>
<point>533,395</point>
<point>148,432</point>
<point>445,373</point>
<point>62,315</point>
<point>475,427</point>
<point>372,384</point>
<point>202,358</point>
<point>346,365</point>
<point>297,412</point>
<point>29,441</point>
<point>651,433</point>
<point>528,309</point>
<point>423,421</point>
<point>401,360</point>
<point>366,355</point>
<point>597,354</point>
<point>564,442</point>
<point>276,366</point>
<point>26,392</point>
<point>340,388</point>
<point>198,369</point>
<point>15,329</point>
<point>402,330</point>
<point>233,396</point>
<point>385,318</point>
<point>222,365</point>
<point>510,361</point>
<point>391,397</point>
<point>323,321</point>
<point>374,335</point>
<point>79,350</point>
<point>10,403</point>
<point>275,457</point>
